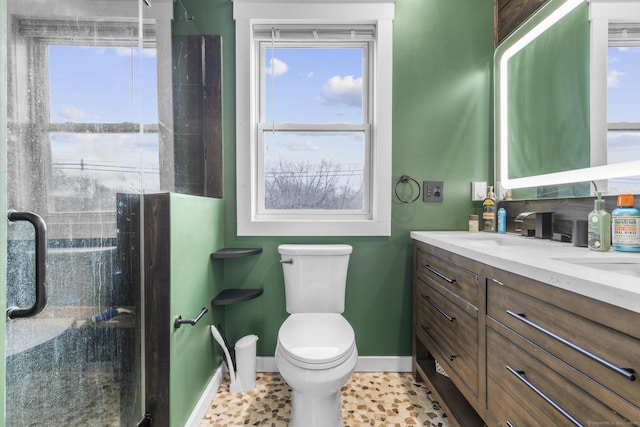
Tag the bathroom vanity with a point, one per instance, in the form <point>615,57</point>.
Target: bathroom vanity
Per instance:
<point>529,331</point>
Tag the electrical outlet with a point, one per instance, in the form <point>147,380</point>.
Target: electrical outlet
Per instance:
<point>478,191</point>
<point>432,191</point>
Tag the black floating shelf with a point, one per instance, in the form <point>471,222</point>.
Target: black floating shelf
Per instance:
<point>226,253</point>
<point>232,296</point>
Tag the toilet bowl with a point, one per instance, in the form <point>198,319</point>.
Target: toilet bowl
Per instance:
<point>316,350</point>
<point>316,354</point>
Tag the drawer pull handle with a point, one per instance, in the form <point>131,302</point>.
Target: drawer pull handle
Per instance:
<point>628,373</point>
<point>510,424</point>
<point>437,273</point>
<point>435,341</point>
<point>521,377</point>
<point>441,311</point>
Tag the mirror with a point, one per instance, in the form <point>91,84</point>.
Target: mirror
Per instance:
<point>560,121</point>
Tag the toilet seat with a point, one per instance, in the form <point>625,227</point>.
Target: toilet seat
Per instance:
<point>316,340</point>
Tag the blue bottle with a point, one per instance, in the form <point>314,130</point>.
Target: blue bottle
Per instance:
<point>625,225</point>
<point>502,221</point>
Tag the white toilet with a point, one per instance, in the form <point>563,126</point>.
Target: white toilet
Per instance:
<point>316,350</point>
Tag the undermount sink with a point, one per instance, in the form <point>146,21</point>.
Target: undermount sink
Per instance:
<point>627,266</point>
<point>492,239</point>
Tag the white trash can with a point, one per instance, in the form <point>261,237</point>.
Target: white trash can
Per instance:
<point>246,362</point>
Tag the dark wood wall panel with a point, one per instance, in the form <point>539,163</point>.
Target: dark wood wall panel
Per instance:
<point>157,270</point>
<point>212,116</point>
<point>511,13</point>
<point>126,288</point>
<point>564,210</point>
<point>197,111</point>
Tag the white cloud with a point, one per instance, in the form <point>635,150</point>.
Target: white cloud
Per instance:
<point>626,136</point>
<point>613,78</point>
<point>73,113</point>
<point>343,91</point>
<point>300,145</point>
<point>127,52</point>
<point>277,68</point>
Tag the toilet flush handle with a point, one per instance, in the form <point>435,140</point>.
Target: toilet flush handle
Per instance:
<point>286,261</point>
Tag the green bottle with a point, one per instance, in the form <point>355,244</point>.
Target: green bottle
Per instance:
<point>599,227</point>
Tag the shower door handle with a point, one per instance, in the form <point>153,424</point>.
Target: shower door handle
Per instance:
<point>41,264</point>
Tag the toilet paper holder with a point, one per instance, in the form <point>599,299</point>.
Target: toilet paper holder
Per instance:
<point>179,321</point>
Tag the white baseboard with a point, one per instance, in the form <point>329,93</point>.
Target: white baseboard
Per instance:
<point>384,364</point>
<point>268,364</point>
<point>209,393</point>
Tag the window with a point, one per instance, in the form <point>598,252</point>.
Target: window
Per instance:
<point>623,101</point>
<point>615,124</point>
<point>95,116</point>
<point>313,117</point>
<point>96,142</point>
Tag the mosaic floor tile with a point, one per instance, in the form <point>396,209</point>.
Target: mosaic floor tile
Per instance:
<point>368,399</point>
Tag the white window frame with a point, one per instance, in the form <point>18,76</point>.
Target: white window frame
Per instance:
<point>251,220</point>
<point>635,42</point>
<point>601,12</point>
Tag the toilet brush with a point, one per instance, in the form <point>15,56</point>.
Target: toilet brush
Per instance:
<point>235,386</point>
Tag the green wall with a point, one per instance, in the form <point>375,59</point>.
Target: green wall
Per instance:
<point>442,130</point>
<point>196,228</point>
<point>549,126</point>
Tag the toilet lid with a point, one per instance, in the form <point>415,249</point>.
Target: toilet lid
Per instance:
<point>316,338</point>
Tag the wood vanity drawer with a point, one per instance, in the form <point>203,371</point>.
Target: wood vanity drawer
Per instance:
<point>449,332</point>
<point>447,270</point>
<point>602,354</point>
<point>524,391</point>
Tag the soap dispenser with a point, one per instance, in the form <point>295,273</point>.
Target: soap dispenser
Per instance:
<point>599,227</point>
<point>489,211</point>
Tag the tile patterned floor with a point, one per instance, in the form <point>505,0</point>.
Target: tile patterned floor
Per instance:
<point>368,399</point>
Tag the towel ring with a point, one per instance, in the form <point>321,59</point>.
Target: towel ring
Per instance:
<point>406,179</point>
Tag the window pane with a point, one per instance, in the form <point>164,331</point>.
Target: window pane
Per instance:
<point>89,169</point>
<point>623,83</point>
<point>99,84</point>
<point>317,171</point>
<point>623,98</point>
<point>623,146</point>
<point>313,85</point>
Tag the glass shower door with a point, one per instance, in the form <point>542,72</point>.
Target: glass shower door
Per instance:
<point>82,146</point>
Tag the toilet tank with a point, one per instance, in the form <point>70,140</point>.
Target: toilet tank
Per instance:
<point>315,277</point>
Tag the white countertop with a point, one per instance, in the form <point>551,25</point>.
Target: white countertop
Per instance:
<point>611,277</point>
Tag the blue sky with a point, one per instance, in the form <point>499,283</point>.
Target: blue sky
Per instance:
<point>113,85</point>
<point>105,85</point>
<point>95,84</point>
<point>314,86</point>
<point>623,82</point>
